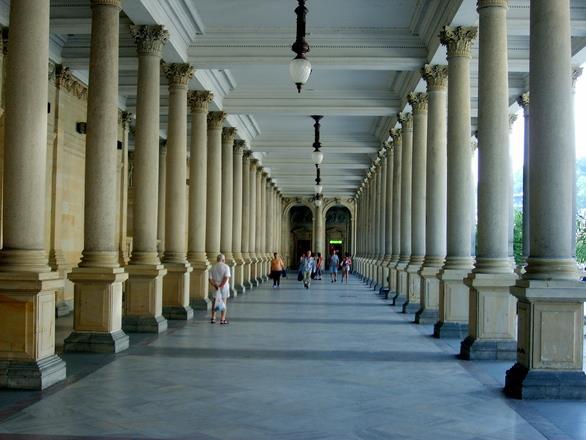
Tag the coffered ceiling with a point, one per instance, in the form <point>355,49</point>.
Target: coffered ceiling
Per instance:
<point>366,56</point>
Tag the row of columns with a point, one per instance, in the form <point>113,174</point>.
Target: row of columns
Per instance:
<point>427,263</point>
<point>229,204</point>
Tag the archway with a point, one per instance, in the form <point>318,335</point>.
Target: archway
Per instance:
<point>339,230</point>
<point>301,233</point>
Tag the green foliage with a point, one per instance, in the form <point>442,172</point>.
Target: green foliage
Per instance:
<point>518,236</point>
<point>580,239</point>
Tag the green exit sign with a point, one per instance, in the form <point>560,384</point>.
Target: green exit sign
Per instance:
<point>335,241</point>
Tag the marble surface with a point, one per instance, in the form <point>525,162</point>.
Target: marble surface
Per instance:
<point>332,362</point>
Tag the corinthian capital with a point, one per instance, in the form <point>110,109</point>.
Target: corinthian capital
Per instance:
<point>436,76</point>
<point>418,102</point>
<point>178,74</point>
<point>458,40</point>
<point>198,100</point>
<point>149,39</point>
<point>215,120</point>
<point>397,135</point>
<point>406,120</point>
<point>228,134</point>
<point>125,118</point>
<point>523,102</point>
<point>239,146</point>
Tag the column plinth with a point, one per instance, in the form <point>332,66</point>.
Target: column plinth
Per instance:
<point>97,325</point>
<point>177,281</point>
<point>453,312</point>
<point>143,307</point>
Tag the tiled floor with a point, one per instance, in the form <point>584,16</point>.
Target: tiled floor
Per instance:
<point>332,362</point>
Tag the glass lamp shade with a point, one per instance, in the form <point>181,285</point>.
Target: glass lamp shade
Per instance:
<point>318,202</point>
<point>317,157</point>
<point>318,189</point>
<point>299,69</point>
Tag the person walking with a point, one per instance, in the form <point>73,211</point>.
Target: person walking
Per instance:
<point>219,278</point>
<point>334,263</point>
<point>346,267</point>
<point>318,265</point>
<point>277,267</point>
<point>307,267</point>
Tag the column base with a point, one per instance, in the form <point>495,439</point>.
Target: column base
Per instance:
<point>63,308</point>
<point>32,375</point>
<point>176,291</point>
<point>472,349</point>
<point>144,324</point>
<point>521,383</point>
<point>409,308</point>
<point>450,330</point>
<point>97,342</point>
<point>426,316</point>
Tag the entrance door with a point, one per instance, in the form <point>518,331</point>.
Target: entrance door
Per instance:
<point>302,247</point>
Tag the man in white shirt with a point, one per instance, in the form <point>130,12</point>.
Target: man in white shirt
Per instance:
<point>219,277</point>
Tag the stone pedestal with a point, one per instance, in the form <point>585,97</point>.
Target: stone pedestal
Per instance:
<point>97,324</point>
<point>393,280</point>
<point>248,273</point>
<point>412,305</point>
<point>454,304</point>
<point>402,283</point>
<point>492,318</point>
<point>239,275</point>
<point>550,341</point>
<point>176,291</point>
<point>27,331</point>
<point>428,312</point>
<point>199,286</point>
<point>143,304</point>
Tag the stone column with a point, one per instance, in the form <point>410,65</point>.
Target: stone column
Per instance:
<point>214,184</point>
<point>198,101</point>
<point>262,239</point>
<point>97,325</point>
<point>227,200</point>
<point>524,103</point>
<point>418,103</point>
<point>27,285</point>
<point>406,120</point>
<point>176,283</point>
<point>381,205</point>
<point>239,146</point>
<point>453,311</point>
<point>161,199</point>
<point>388,217</point>
<point>490,338</point>
<point>254,164</point>
<point>436,180</point>
<point>320,232</point>
<point>246,225</point>
<point>124,257</point>
<point>270,218</point>
<point>398,157</point>
<point>550,297</point>
<point>371,224</point>
<point>143,305</point>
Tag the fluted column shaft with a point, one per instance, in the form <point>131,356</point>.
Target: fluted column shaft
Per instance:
<point>263,224</point>
<point>238,276</point>
<point>398,149</point>
<point>269,217</point>
<point>525,103</point>
<point>197,211</point>
<point>390,156</point>
<point>246,225</point>
<point>253,221</point>
<point>161,196</point>
<point>227,193</point>
<point>214,184</point>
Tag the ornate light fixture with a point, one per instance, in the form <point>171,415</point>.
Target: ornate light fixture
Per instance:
<point>317,157</point>
<point>300,67</point>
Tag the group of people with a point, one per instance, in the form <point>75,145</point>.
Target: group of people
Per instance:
<point>311,268</point>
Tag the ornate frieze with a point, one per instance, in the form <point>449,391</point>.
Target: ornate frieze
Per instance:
<point>406,120</point>
<point>65,80</point>
<point>149,39</point>
<point>418,102</point>
<point>178,74</point>
<point>228,134</point>
<point>239,146</point>
<point>215,120</point>
<point>198,100</point>
<point>458,40</point>
<point>436,76</point>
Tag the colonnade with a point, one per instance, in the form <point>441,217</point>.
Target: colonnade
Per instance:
<point>185,210</point>
<point>531,315</point>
